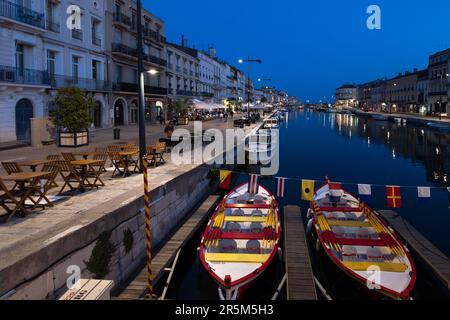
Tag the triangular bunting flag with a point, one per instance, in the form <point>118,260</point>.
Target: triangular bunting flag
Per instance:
<point>253,185</point>
<point>225,179</point>
<point>364,189</point>
<point>424,192</point>
<point>280,187</point>
<point>394,197</point>
<point>307,190</point>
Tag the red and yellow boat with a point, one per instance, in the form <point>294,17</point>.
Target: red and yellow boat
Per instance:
<point>241,239</point>
<point>360,242</point>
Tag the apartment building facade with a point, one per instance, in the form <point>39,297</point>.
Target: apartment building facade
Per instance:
<point>207,66</point>
<point>346,95</point>
<point>23,80</point>
<point>75,54</point>
<point>438,77</point>
<point>121,56</point>
<point>402,92</point>
<point>183,76</point>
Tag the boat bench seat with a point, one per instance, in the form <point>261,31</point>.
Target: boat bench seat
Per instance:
<point>247,206</point>
<point>237,257</point>
<point>245,219</point>
<point>349,223</point>
<point>384,266</point>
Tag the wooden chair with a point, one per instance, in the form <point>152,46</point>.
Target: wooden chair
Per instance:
<point>50,167</point>
<point>114,148</point>
<point>118,163</point>
<point>68,156</point>
<point>99,168</point>
<point>133,160</point>
<point>41,190</point>
<point>101,154</point>
<point>69,175</point>
<point>9,197</point>
<point>10,168</point>
<point>53,157</point>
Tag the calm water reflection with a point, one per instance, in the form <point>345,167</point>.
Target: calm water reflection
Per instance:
<point>355,149</point>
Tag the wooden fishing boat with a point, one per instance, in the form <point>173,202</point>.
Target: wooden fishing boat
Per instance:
<point>241,239</point>
<point>360,243</point>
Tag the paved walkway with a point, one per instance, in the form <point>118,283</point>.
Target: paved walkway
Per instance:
<point>24,235</point>
<point>103,138</point>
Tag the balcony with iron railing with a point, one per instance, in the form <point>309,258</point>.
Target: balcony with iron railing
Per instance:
<point>121,48</point>
<point>21,14</point>
<point>77,34</point>
<point>53,26</point>
<point>23,76</point>
<point>155,60</point>
<point>133,87</point>
<point>120,18</point>
<point>207,94</point>
<point>60,81</point>
<point>153,35</point>
<point>188,93</point>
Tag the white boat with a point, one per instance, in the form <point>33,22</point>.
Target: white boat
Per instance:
<point>260,146</point>
<point>400,120</point>
<point>241,239</point>
<point>271,123</point>
<point>360,243</point>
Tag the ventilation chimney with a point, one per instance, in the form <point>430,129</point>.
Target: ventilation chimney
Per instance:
<point>212,52</point>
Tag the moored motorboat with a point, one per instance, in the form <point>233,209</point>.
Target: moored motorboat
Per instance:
<point>360,243</point>
<point>241,239</point>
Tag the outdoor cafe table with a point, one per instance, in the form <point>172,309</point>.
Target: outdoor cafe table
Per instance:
<point>33,164</point>
<point>126,156</point>
<point>33,179</point>
<point>86,168</point>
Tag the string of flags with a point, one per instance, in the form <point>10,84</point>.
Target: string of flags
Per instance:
<point>393,193</point>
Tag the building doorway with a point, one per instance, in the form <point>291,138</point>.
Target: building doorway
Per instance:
<point>133,112</point>
<point>97,114</point>
<point>24,113</point>
<point>118,113</point>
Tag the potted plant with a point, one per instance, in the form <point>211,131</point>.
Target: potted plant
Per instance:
<point>73,117</point>
<point>181,109</point>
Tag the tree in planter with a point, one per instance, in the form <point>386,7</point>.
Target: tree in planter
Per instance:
<point>263,100</point>
<point>74,110</point>
<point>181,107</point>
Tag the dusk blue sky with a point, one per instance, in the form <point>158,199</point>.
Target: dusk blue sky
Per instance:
<point>309,48</point>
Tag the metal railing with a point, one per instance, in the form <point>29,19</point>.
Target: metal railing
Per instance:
<point>121,18</point>
<point>133,87</point>
<point>118,47</point>
<point>23,76</point>
<point>22,14</point>
<point>77,34</point>
<point>60,81</point>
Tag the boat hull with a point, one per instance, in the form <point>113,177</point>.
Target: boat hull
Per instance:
<point>240,240</point>
<point>379,260</point>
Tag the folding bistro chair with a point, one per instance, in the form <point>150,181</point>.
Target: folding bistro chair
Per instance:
<point>69,175</point>
<point>133,160</point>
<point>98,169</point>
<point>102,151</point>
<point>117,162</point>
<point>40,190</point>
<point>50,167</point>
<point>160,150</point>
<point>10,168</point>
<point>53,157</point>
<point>9,197</point>
<point>68,156</point>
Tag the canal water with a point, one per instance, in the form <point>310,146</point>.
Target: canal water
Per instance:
<point>349,149</point>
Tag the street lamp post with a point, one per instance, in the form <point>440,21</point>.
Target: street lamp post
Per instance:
<point>248,60</point>
<point>141,100</point>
